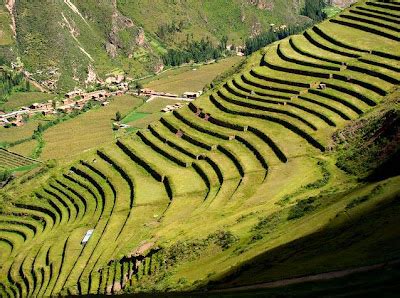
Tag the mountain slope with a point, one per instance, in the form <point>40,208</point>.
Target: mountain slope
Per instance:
<point>235,176</point>
<point>62,42</point>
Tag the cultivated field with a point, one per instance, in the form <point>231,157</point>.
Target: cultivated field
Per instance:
<point>89,130</point>
<point>238,187</point>
<point>12,161</point>
<point>190,78</point>
<point>20,99</point>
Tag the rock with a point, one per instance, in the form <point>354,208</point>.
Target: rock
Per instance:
<point>91,77</point>
<point>140,38</point>
<point>111,50</point>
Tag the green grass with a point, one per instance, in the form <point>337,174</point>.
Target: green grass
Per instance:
<point>234,189</point>
<point>133,116</point>
<point>20,99</point>
<point>190,78</point>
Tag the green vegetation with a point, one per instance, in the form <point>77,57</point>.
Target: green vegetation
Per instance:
<point>239,187</point>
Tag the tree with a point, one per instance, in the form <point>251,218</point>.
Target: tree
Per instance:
<point>139,86</point>
<point>27,86</point>
<point>118,116</point>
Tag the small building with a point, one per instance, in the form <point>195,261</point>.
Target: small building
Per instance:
<point>73,94</point>
<point>87,236</point>
<point>192,95</point>
<point>147,91</point>
<point>96,95</point>
<point>67,101</point>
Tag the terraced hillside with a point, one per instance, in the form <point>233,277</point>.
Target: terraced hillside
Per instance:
<point>241,171</point>
<point>10,160</point>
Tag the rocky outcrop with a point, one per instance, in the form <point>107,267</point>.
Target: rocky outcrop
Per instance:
<point>262,4</point>
<point>342,3</point>
<point>10,5</point>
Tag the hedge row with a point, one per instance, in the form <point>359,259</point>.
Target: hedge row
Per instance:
<point>380,64</point>
<point>366,28</point>
<point>186,137</point>
<point>19,233</point>
<point>338,43</point>
<point>95,184</point>
<point>172,144</point>
<point>385,13</point>
<point>76,194</point>
<point>267,109</point>
<point>304,63</point>
<point>310,111</point>
<point>122,172</point>
<point>199,127</point>
<point>384,5</point>
<point>140,162</point>
<point>64,203</point>
<point>168,187</point>
<point>203,176</point>
<point>353,93</point>
<point>266,87</point>
<point>375,16</point>
<point>281,122</point>
<point>329,49</point>
<point>370,22</point>
<point>87,188</point>
<point>302,72</point>
<point>326,106</point>
<point>56,209</point>
<point>246,92</point>
<point>254,150</point>
<point>27,225</point>
<point>232,157</point>
<point>92,168</point>
<point>278,81</point>
<point>373,73</point>
<point>308,54</point>
<point>167,155</point>
<point>337,99</point>
<point>216,168</point>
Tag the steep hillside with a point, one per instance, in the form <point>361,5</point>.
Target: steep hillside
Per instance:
<point>247,184</point>
<point>64,43</point>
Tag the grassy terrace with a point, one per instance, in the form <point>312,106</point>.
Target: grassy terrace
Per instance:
<point>241,159</point>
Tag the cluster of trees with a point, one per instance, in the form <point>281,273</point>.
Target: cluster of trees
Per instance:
<point>255,43</point>
<point>165,30</point>
<point>197,51</point>
<point>314,9</point>
<point>11,81</point>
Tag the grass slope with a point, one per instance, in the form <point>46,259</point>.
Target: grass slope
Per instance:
<point>240,186</point>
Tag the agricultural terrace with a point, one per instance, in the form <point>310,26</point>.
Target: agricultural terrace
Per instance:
<point>13,161</point>
<point>190,78</point>
<point>237,174</point>
<point>88,130</point>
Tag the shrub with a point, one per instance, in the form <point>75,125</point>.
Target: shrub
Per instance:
<point>224,239</point>
<point>301,208</point>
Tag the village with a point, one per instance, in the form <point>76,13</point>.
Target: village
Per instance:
<point>77,99</point>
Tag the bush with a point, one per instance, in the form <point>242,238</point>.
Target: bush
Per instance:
<point>224,239</point>
<point>301,208</point>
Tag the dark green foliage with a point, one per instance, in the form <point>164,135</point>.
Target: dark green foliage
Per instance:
<point>118,116</point>
<point>367,146</point>
<point>320,182</point>
<point>224,239</point>
<point>197,51</point>
<point>12,81</point>
<point>255,43</point>
<point>314,10</point>
<point>4,174</point>
<point>357,201</point>
<point>301,208</point>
